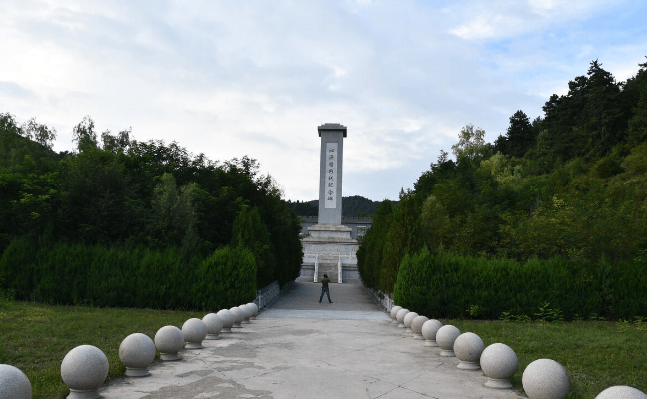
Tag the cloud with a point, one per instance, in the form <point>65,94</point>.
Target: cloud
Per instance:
<point>256,78</point>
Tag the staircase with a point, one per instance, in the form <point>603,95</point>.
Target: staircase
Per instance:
<point>330,269</point>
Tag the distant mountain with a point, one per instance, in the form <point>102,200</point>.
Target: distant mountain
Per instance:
<point>353,206</point>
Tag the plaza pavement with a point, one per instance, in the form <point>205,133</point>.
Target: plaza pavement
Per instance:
<point>300,348</point>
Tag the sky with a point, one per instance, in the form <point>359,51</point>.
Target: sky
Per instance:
<point>257,77</point>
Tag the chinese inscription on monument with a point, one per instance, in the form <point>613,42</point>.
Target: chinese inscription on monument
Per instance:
<point>331,175</point>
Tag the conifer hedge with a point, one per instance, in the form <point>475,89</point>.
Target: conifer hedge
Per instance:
<point>97,275</point>
<point>448,286</point>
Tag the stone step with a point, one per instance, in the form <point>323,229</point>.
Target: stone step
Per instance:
<point>330,269</point>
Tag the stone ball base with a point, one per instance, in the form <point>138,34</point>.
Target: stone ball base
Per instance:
<point>193,345</point>
<point>465,365</point>
<point>225,330</point>
<point>401,325</point>
<point>169,357</point>
<point>498,383</point>
<point>246,321</point>
<point>418,336</point>
<point>212,336</point>
<point>132,372</point>
<point>447,353</point>
<point>431,343</point>
<point>236,326</point>
<point>83,394</point>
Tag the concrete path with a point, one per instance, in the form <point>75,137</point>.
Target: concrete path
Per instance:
<point>303,349</point>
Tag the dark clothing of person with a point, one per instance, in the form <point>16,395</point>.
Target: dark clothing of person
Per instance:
<point>325,289</point>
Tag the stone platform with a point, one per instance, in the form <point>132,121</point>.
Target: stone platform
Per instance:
<point>347,349</point>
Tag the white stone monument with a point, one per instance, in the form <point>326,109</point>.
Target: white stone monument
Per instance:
<point>328,246</point>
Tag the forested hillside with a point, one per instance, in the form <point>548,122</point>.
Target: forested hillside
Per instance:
<point>352,206</point>
<point>571,184</point>
<point>118,194</point>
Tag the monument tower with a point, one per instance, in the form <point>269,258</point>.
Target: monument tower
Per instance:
<point>328,246</point>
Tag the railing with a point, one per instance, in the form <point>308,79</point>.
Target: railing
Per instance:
<point>316,268</point>
<point>383,299</point>
<point>339,269</point>
<point>267,295</point>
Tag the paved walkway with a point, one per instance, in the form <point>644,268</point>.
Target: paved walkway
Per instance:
<point>303,349</point>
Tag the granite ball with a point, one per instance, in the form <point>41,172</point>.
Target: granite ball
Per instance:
<point>137,352</point>
<point>214,325</point>
<point>247,313</point>
<point>429,330</point>
<point>400,317</point>
<point>194,331</point>
<point>14,383</point>
<point>468,348</point>
<point>254,308</point>
<point>546,379</point>
<point>169,340</point>
<point>83,370</point>
<point>416,326</point>
<point>499,363</point>
<point>445,337</point>
<point>238,315</point>
<point>394,313</point>
<point>228,320</point>
<point>408,318</point>
<point>621,392</point>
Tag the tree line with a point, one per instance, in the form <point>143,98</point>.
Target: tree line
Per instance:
<point>114,193</point>
<point>352,206</point>
<point>570,185</point>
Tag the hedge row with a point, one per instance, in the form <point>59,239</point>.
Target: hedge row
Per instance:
<point>65,273</point>
<point>448,286</point>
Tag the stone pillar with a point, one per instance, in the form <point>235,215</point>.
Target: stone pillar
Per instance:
<point>331,167</point>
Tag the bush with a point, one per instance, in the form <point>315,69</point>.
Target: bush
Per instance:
<point>449,286</point>
<point>74,273</point>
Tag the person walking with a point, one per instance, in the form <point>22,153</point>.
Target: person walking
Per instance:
<point>324,288</point>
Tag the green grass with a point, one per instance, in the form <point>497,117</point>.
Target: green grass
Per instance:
<point>35,337</point>
<point>597,354</point>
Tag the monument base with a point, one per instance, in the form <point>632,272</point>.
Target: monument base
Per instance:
<point>329,249</point>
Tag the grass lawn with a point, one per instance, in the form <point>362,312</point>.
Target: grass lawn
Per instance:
<point>35,338</point>
<point>597,354</point>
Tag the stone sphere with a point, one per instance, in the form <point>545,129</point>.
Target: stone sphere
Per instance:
<point>394,313</point>
<point>445,337</point>
<point>499,363</point>
<point>194,331</point>
<point>254,308</point>
<point>214,325</point>
<point>228,320</point>
<point>429,330</point>
<point>247,313</point>
<point>137,352</point>
<point>621,392</point>
<point>408,318</point>
<point>169,340</point>
<point>546,379</point>
<point>416,326</point>
<point>468,348</point>
<point>238,316</point>
<point>84,368</point>
<point>400,317</point>
<point>14,383</point>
